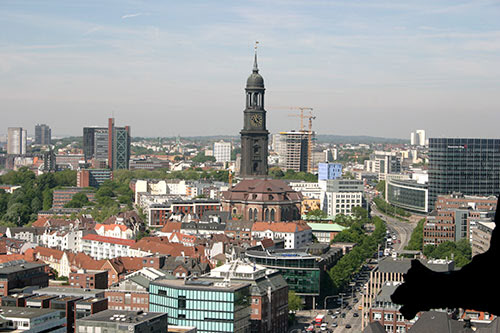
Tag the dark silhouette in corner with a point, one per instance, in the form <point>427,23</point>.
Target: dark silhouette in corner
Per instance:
<point>476,286</point>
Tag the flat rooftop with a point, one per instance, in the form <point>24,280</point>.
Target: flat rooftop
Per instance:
<point>203,283</point>
<point>15,312</point>
<point>67,291</point>
<point>118,316</point>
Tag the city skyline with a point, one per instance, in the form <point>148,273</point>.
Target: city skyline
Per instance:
<point>367,68</point>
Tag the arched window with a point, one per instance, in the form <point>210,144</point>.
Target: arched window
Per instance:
<point>266,214</point>
<point>250,214</point>
<point>255,217</point>
<point>272,214</point>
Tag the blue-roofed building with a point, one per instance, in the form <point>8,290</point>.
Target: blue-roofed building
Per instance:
<point>329,171</point>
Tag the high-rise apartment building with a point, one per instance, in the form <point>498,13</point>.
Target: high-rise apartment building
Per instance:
<point>16,141</point>
<point>468,166</point>
<point>418,138</point>
<point>383,163</point>
<point>43,134</point>
<point>110,144</point>
<point>292,148</point>
<point>222,151</point>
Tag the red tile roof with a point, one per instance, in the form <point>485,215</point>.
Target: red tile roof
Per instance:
<point>296,226</point>
<point>112,240</point>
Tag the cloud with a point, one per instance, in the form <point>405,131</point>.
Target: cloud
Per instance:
<point>126,16</point>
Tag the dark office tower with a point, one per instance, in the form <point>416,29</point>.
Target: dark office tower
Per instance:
<point>469,166</point>
<point>121,148</point>
<point>254,135</point>
<point>42,134</point>
<point>107,144</point>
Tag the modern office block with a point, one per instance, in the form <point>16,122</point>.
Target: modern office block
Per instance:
<point>43,134</point>
<point>110,144</point>
<point>407,194</point>
<point>468,166</point>
<point>209,305</point>
<point>329,171</point>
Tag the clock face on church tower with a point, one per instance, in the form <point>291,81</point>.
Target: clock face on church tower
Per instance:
<point>256,120</point>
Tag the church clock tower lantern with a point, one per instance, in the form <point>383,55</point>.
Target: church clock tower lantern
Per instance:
<point>254,135</point>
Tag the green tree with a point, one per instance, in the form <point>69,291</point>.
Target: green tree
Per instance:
<point>47,199</point>
<point>417,237</point>
<point>316,213</point>
<point>78,200</point>
<point>294,301</point>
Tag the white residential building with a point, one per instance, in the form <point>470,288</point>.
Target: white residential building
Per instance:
<point>222,151</point>
<point>341,196</point>
<point>311,190</point>
<point>295,234</point>
<point>115,231</point>
<point>65,240</point>
<point>100,247</point>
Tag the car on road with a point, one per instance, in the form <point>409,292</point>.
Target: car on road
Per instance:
<point>348,326</point>
<point>355,314</point>
<point>310,328</point>
<point>335,324</point>
<point>324,327</point>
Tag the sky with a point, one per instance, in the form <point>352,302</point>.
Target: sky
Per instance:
<point>380,67</point>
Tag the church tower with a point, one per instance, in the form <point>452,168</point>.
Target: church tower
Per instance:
<point>254,135</point>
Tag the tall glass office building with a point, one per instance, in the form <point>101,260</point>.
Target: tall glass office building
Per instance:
<point>211,306</point>
<point>469,166</point>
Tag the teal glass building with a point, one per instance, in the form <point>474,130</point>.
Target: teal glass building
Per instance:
<point>210,306</point>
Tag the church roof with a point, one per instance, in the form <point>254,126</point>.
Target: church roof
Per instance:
<point>255,80</point>
<point>265,190</point>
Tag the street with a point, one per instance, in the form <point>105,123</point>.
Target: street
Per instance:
<point>347,318</point>
<point>403,229</point>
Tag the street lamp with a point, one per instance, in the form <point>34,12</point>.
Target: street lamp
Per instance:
<point>327,297</point>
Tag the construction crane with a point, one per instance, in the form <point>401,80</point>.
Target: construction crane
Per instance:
<point>301,116</point>
<point>309,143</point>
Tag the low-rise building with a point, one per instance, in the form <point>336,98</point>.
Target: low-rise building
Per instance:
<point>114,321</point>
<point>32,320</point>
<point>210,306</point>
<point>88,279</point>
<point>268,292</point>
<point>61,197</point>
<point>341,196</point>
<point>295,234</point>
<point>101,247</point>
<point>114,230</point>
<point>303,269</point>
<point>325,232</point>
<point>20,274</point>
